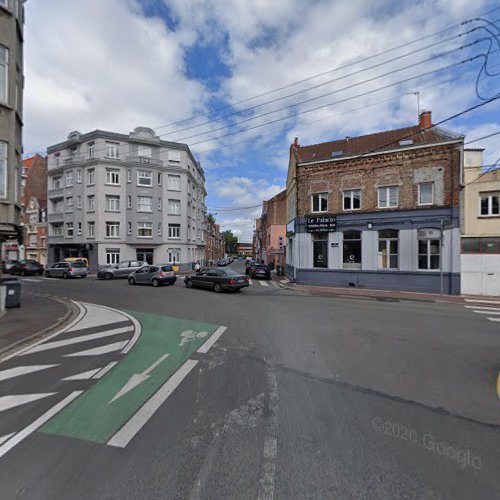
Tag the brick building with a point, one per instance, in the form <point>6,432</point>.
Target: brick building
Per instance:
<point>244,249</point>
<point>272,229</point>
<point>214,243</point>
<point>377,211</point>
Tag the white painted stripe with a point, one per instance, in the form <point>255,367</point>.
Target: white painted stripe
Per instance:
<point>105,369</point>
<point>212,340</point>
<point>7,436</point>
<point>98,316</point>
<point>33,280</point>
<point>486,312</point>
<point>22,370</point>
<point>284,281</point>
<point>77,340</point>
<point>274,284</point>
<point>484,308</point>
<point>494,319</point>
<point>8,402</point>
<point>21,435</point>
<point>263,283</point>
<point>481,301</point>
<point>97,351</point>
<point>83,375</point>
<point>250,281</point>
<point>135,424</point>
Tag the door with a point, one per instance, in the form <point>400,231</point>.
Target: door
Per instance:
<point>123,269</point>
<point>145,254</point>
<point>211,278</point>
<point>141,275</point>
<point>320,253</point>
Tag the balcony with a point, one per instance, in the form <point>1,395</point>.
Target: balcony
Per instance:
<point>144,160</point>
<point>56,193</point>
<point>55,216</point>
<point>73,160</point>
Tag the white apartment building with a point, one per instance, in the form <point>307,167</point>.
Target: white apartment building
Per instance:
<point>114,197</point>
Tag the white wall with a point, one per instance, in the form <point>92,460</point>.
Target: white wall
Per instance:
<point>480,274</point>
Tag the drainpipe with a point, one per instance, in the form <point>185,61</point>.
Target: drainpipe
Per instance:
<point>441,256</point>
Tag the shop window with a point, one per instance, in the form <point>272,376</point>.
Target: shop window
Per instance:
<point>388,249</point>
<point>352,250</point>
<point>320,251</point>
<point>429,249</point>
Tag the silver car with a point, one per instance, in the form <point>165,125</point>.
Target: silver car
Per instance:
<point>155,275</point>
<point>77,269</point>
<point>120,270</point>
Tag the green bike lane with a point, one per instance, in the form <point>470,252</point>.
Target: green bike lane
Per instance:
<point>161,353</point>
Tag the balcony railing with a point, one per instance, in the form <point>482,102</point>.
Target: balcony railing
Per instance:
<point>55,216</point>
<point>56,192</point>
<point>144,160</point>
<point>72,160</point>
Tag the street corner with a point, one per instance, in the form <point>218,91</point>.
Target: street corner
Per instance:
<point>115,409</point>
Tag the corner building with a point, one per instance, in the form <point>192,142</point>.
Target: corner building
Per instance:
<point>377,211</point>
<point>114,197</point>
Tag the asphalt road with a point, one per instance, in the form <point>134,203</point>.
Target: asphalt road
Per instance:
<point>300,397</point>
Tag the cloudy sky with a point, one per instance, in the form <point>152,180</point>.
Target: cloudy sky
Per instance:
<point>238,80</point>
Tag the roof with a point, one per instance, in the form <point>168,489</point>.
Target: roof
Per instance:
<point>371,143</point>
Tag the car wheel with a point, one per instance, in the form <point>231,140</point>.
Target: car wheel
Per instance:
<point>217,288</point>
<point>65,275</point>
<point>155,283</point>
<point>188,283</point>
<point>47,274</point>
<point>84,276</point>
<point>131,281</point>
<point>108,276</point>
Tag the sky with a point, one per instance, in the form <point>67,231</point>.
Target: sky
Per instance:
<point>237,81</point>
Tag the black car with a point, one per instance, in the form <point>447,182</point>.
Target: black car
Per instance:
<point>260,271</point>
<point>249,264</point>
<point>27,267</point>
<point>217,279</point>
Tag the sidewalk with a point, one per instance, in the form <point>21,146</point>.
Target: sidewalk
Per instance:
<point>38,315</point>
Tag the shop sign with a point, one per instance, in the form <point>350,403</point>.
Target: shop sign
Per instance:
<point>321,224</point>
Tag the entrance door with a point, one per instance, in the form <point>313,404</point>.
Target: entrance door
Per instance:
<point>320,253</point>
<point>145,254</point>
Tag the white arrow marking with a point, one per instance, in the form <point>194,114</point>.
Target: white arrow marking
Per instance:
<point>83,375</point>
<point>138,378</point>
<point>7,436</point>
<point>7,402</point>
<point>22,370</point>
<point>97,351</point>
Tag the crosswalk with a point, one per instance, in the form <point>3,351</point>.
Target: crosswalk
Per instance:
<point>489,308</point>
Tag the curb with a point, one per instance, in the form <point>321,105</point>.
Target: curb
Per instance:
<point>498,385</point>
<point>71,313</point>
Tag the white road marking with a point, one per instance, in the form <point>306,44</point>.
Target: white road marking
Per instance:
<point>8,402</point>
<point>250,281</point>
<point>21,435</point>
<point>212,340</point>
<point>135,424</point>
<point>98,316</point>
<point>105,369</point>
<point>7,436</point>
<point>494,319</point>
<point>481,301</point>
<point>285,281</point>
<point>33,280</point>
<point>84,375</point>
<point>484,308</point>
<point>263,283</point>
<point>274,284</point>
<point>77,340</point>
<point>22,370</point>
<point>487,312</point>
<point>138,378</point>
<point>97,351</point>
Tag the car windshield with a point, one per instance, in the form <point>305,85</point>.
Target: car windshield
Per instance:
<point>78,264</point>
<point>167,268</point>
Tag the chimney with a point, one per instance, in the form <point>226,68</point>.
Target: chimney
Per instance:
<point>296,141</point>
<point>425,119</point>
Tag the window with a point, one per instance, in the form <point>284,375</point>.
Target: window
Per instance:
<point>144,204</point>
<point>159,178</point>
<point>112,149</point>
<point>146,151</point>
<point>174,182</point>
<point>144,178</point>
<point>69,178</point>
<point>129,175</point>
<point>174,207</point>
<point>4,73</point>
<point>426,193</point>
<point>112,203</point>
<point>91,150</point>
<point>112,229</point>
<point>174,230</point>
<point>429,244</point>
<point>336,154</point>
<point>57,207</point>
<point>174,255</point>
<point>388,197</point>
<point>388,248</point>
<point>91,177</point>
<point>79,228</point>
<point>3,169</point>
<point>57,159</point>
<point>352,250</point>
<point>159,204</point>
<point>159,228</point>
<point>90,203</point>
<point>112,256</point>
<point>113,177</point>
<point>352,199</point>
<point>129,201</point>
<point>145,229</point>
<point>490,203</point>
<point>73,151</point>
<point>56,229</point>
<point>69,204</point>
<point>91,229</point>
<point>319,202</point>
<point>56,182</point>
<point>129,228</point>
<point>79,202</point>
<point>174,157</point>
<point>79,176</point>
<point>69,230</point>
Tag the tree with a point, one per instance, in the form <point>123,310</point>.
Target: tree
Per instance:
<point>210,219</point>
<point>231,241</point>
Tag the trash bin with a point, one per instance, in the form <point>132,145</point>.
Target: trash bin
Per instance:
<point>13,292</point>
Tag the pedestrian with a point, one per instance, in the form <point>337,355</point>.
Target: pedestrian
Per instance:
<point>197,266</point>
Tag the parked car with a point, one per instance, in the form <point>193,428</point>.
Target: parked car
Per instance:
<point>222,262</point>
<point>249,265</point>
<point>155,275</point>
<point>7,265</point>
<point>27,267</point>
<point>217,279</point>
<point>120,270</point>
<point>260,271</point>
<point>76,269</point>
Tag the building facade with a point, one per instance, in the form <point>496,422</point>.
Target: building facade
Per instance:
<point>244,249</point>
<point>480,258</point>
<point>377,211</point>
<point>11,122</point>
<point>214,243</point>
<point>114,197</point>
<point>272,230</point>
